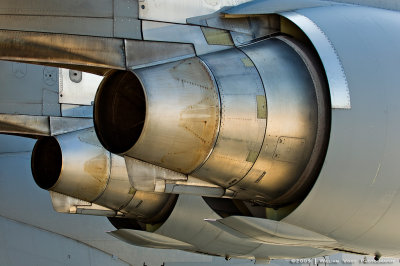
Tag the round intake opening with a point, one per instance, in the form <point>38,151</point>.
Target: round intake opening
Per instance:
<point>46,162</point>
<point>119,111</point>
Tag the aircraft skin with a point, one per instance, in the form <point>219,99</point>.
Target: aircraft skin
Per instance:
<point>32,233</point>
<point>245,129</point>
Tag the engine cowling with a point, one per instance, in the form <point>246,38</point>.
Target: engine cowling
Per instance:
<point>76,165</point>
<point>254,120</point>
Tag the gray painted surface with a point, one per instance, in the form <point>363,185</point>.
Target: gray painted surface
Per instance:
<point>357,195</point>
<point>28,89</point>
<point>24,245</point>
<point>88,17</point>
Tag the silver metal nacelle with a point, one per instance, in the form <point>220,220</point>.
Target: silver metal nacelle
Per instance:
<point>254,120</point>
<point>76,165</point>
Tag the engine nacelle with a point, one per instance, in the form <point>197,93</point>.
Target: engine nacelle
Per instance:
<point>254,120</point>
<point>76,165</point>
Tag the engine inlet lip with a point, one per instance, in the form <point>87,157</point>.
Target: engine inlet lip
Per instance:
<point>119,111</point>
<point>46,162</point>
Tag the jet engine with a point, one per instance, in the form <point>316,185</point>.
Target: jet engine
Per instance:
<point>276,122</point>
<point>77,166</point>
<point>254,120</point>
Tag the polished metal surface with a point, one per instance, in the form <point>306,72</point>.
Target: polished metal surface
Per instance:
<point>265,145</point>
<point>35,126</point>
<point>63,125</point>
<point>338,86</point>
<point>147,53</point>
<point>93,54</point>
<point>152,178</point>
<point>197,187</point>
<point>169,32</point>
<point>181,115</point>
<point>297,123</point>
<point>66,204</point>
<point>25,124</point>
<point>242,128</point>
<point>147,207</point>
<point>84,166</point>
<point>270,142</point>
<point>88,173</point>
<point>97,55</point>
<point>149,177</point>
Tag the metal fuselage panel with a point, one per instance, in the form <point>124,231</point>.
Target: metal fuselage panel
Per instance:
<point>356,197</point>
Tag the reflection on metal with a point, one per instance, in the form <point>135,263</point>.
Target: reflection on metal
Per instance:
<point>289,149</point>
<point>166,10</point>
<point>35,126</point>
<point>271,232</point>
<point>181,101</point>
<point>59,49</point>
<point>151,178</point>
<point>25,125</point>
<point>146,53</point>
<point>150,240</point>
<point>79,91</point>
<point>194,186</point>
<point>340,95</point>
<point>168,32</point>
<point>62,125</point>
<point>241,132</point>
<point>65,204</point>
<point>296,131</point>
<point>261,7</point>
<point>76,165</point>
<point>215,120</point>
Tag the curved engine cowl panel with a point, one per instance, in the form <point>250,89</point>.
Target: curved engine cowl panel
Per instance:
<point>76,165</point>
<point>167,115</point>
<point>254,120</point>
